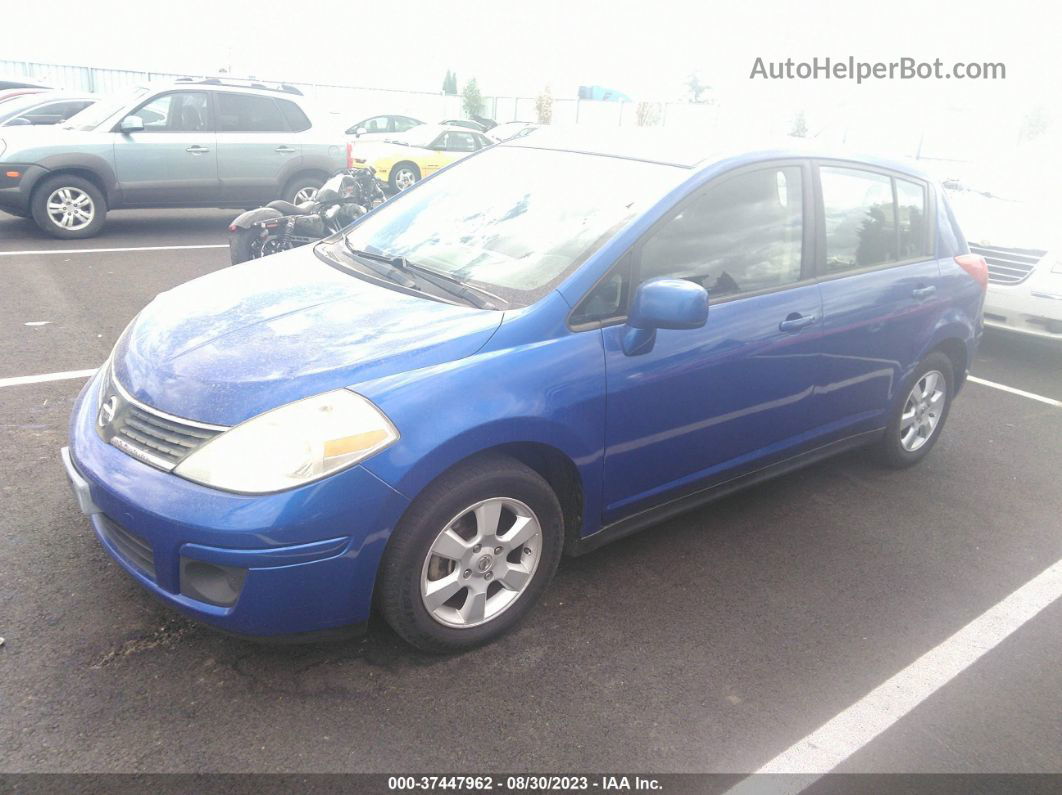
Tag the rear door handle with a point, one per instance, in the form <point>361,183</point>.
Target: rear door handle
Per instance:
<point>287,150</point>
<point>196,149</point>
<point>796,321</point>
<point>923,292</point>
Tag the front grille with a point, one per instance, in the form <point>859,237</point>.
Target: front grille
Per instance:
<point>1008,265</point>
<point>147,434</point>
<point>136,551</point>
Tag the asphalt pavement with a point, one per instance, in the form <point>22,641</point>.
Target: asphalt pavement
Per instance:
<point>710,643</point>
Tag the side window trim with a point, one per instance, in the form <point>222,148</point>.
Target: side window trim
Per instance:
<point>820,216</point>
<point>809,253</point>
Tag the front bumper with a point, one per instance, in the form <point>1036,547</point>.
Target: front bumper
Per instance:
<point>1033,307</point>
<point>15,191</point>
<point>299,561</point>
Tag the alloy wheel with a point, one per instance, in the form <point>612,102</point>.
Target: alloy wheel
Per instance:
<point>307,194</point>
<point>70,208</point>
<point>481,562</point>
<point>405,178</point>
<point>923,410</point>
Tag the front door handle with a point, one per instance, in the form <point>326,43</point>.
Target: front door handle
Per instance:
<point>923,292</point>
<point>796,321</point>
<point>287,150</point>
<point>196,149</point>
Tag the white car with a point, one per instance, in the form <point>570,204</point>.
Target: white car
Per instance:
<point>1024,262</point>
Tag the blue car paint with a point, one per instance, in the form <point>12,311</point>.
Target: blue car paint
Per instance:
<point>302,328</point>
<point>740,393</point>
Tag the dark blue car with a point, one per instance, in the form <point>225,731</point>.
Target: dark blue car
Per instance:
<point>543,348</point>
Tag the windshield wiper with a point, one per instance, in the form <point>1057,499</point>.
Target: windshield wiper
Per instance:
<point>401,270</point>
<point>475,295</point>
<point>381,265</point>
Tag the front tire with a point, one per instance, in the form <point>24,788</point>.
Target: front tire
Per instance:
<point>68,207</point>
<point>471,556</point>
<point>919,416</point>
<point>403,175</point>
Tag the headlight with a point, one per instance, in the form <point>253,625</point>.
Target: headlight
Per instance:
<point>291,445</point>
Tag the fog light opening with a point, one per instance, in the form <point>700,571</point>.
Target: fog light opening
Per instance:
<point>211,583</point>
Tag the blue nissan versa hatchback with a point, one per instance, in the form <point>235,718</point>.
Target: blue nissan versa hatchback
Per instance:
<point>538,350</point>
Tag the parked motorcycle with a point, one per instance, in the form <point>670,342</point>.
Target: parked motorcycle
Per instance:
<point>281,225</point>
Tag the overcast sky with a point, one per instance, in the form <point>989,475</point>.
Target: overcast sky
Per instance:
<point>645,49</point>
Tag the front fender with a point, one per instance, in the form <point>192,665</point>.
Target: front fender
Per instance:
<point>251,217</point>
<point>549,392</point>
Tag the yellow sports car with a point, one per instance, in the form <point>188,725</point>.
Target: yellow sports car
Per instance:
<point>403,159</point>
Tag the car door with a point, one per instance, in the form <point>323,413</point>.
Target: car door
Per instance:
<point>257,150</point>
<point>173,159</point>
<point>704,404</point>
<point>879,284</point>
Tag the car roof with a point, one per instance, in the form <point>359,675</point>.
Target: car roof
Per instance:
<point>259,89</point>
<point>685,149</point>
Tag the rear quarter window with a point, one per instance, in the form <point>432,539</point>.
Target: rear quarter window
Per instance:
<point>293,115</point>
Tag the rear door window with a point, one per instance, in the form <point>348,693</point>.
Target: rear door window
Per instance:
<point>871,219</point>
<point>248,113</point>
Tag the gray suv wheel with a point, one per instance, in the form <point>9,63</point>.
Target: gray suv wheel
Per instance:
<point>67,206</point>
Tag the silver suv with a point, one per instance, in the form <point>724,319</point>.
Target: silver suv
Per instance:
<point>204,143</point>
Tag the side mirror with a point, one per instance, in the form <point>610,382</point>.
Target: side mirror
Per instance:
<point>666,304</point>
<point>360,131</point>
<point>131,124</point>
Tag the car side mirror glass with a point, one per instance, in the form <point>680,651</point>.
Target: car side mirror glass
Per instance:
<point>663,304</point>
<point>131,124</point>
<point>360,131</point>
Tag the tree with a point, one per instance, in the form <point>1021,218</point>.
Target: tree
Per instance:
<point>544,107</point>
<point>473,100</point>
<point>449,85</point>
<point>800,126</point>
<point>647,114</point>
<point>697,89</point>
<point>1034,124</point>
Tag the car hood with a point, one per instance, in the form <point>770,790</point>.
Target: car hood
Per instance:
<point>990,221</point>
<point>230,345</point>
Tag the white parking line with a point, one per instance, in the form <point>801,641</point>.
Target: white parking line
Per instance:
<point>39,379</point>
<point>107,250</point>
<point>1013,391</point>
<point>840,737</point>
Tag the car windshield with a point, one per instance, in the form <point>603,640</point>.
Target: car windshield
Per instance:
<point>514,221</point>
<point>92,116</point>
<point>18,105</point>
<point>421,135</point>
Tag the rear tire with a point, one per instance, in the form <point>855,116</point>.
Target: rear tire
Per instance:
<point>512,514</point>
<point>301,189</point>
<point>240,245</point>
<point>68,207</point>
<point>920,413</point>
